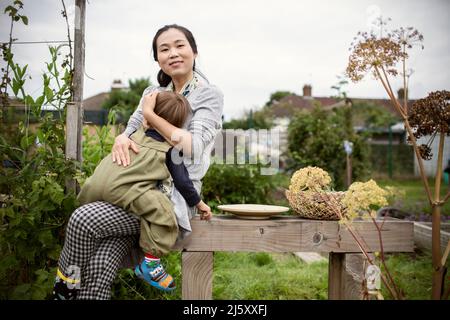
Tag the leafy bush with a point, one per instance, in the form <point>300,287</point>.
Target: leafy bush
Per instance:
<point>34,205</point>
<point>232,184</point>
<point>316,139</point>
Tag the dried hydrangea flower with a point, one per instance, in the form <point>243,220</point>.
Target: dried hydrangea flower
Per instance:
<point>362,197</point>
<point>310,178</point>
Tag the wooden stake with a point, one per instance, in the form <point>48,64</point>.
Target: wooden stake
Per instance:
<point>74,120</point>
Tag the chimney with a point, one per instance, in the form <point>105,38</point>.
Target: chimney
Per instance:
<point>117,85</point>
<point>307,91</point>
<point>401,94</point>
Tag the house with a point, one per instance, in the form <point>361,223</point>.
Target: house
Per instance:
<point>94,114</point>
<point>389,136</point>
<point>285,108</point>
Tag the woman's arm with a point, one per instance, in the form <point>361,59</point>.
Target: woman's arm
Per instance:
<point>206,120</point>
<point>179,138</point>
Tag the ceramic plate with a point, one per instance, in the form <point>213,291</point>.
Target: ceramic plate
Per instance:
<point>253,211</point>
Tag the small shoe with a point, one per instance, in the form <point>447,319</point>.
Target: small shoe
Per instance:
<point>65,288</point>
<point>155,276</point>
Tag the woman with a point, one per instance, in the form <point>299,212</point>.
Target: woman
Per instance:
<point>99,235</point>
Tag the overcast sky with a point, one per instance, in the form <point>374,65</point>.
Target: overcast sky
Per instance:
<point>249,48</point>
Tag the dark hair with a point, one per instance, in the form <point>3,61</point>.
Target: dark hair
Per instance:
<point>164,79</point>
<point>173,107</point>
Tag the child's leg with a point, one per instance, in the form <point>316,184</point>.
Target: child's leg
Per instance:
<point>159,231</point>
<point>159,227</point>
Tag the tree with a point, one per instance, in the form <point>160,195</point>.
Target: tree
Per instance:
<point>260,119</point>
<point>277,96</point>
<point>316,139</point>
<point>372,116</point>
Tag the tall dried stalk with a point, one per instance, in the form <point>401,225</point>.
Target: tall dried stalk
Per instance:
<point>429,116</point>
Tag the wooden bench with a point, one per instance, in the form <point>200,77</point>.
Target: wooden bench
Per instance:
<point>288,234</point>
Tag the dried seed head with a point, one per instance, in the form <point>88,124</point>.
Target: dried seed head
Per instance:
<point>431,115</point>
<point>371,52</point>
<point>425,152</point>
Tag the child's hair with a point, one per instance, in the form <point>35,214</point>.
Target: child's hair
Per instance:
<point>173,107</point>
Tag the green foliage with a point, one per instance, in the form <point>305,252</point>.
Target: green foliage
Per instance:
<point>233,184</point>
<point>126,101</point>
<point>411,199</point>
<point>261,119</point>
<point>277,96</point>
<point>341,94</point>
<point>34,206</point>
<point>412,273</point>
<point>316,139</point>
<point>372,116</point>
<point>402,160</point>
<point>98,146</point>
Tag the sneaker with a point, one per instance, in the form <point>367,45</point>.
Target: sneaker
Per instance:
<point>156,276</point>
<point>65,288</point>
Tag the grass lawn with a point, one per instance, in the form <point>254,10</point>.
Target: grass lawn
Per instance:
<point>259,276</point>
<point>263,276</point>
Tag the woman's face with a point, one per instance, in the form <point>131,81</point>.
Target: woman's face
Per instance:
<point>175,55</point>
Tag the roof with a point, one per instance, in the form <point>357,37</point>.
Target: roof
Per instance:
<point>288,105</point>
<point>95,102</point>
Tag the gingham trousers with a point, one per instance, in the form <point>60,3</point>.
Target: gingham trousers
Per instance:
<point>98,236</point>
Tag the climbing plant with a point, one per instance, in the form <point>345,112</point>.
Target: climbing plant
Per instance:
<point>34,205</point>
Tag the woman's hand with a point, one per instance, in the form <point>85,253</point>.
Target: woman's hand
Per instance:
<point>204,210</point>
<point>148,106</point>
<point>120,149</point>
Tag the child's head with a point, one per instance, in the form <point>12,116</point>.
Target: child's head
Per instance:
<point>173,107</point>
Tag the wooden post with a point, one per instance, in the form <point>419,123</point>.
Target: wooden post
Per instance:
<point>336,268</point>
<point>345,276</point>
<point>353,276</point>
<point>197,272</point>
<point>349,170</point>
<point>74,120</point>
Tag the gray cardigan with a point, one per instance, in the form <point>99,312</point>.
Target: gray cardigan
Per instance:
<point>204,123</point>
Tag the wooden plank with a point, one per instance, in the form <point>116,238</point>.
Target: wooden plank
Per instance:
<point>197,272</point>
<point>292,234</point>
<point>422,235</point>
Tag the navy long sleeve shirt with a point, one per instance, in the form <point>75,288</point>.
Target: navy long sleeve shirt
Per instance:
<point>178,172</point>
